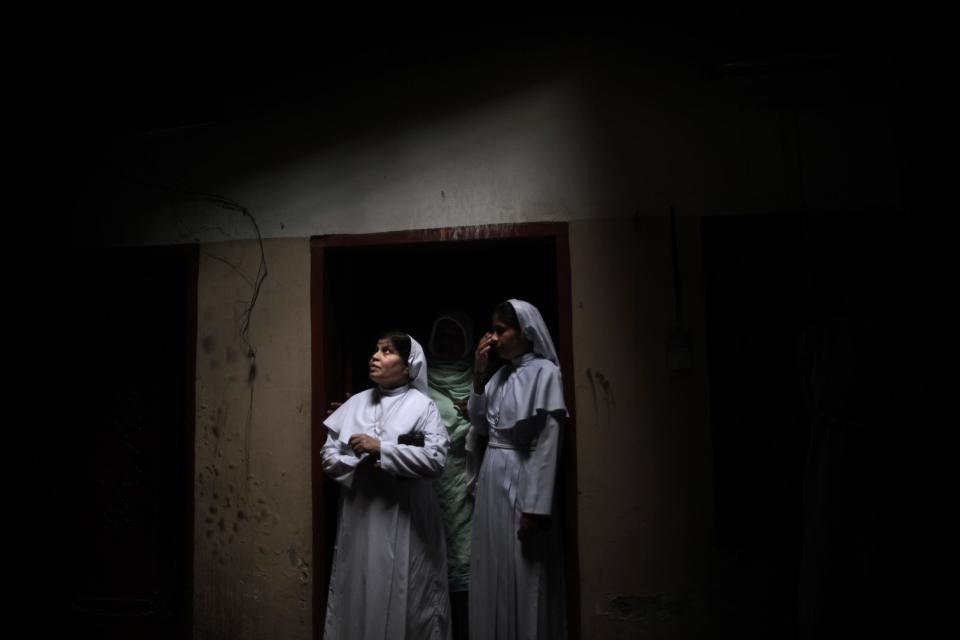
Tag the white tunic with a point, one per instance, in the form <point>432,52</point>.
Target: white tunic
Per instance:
<point>516,588</point>
<point>389,577</point>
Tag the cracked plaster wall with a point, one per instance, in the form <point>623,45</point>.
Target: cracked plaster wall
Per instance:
<point>253,562</point>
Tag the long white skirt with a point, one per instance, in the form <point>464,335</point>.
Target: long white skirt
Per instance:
<point>516,588</point>
<point>389,577</point>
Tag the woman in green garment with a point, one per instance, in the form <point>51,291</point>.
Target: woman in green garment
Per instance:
<point>450,381</point>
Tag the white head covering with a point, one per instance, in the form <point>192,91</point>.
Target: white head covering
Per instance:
<point>535,330</point>
<point>360,413</point>
<point>417,363</point>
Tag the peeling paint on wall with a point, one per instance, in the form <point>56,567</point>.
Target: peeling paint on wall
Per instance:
<point>253,559</point>
<point>477,232</point>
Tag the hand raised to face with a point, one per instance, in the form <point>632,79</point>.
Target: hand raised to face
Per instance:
<point>481,360</point>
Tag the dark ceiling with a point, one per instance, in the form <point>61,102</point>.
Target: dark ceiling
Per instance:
<point>113,74</point>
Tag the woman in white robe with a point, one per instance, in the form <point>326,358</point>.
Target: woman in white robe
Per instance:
<point>384,445</point>
<point>516,569</point>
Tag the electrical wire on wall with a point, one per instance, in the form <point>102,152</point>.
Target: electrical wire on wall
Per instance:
<point>233,205</point>
<point>255,284</point>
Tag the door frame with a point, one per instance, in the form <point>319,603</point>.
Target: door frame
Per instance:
<point>559,233</point>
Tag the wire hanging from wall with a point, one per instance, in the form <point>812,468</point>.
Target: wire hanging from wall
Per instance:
<point>231,205</point>
<point>256,284</point>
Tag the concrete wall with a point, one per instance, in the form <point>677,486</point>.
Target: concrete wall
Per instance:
<point>253,560</point>
<point>643,432</point>
<point>611,137</point>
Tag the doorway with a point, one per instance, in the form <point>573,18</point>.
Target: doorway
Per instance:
<point>106,460</point>
<point>363,285</point>
<point>820,416</point>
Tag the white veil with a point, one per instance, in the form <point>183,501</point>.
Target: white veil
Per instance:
<point>417,363</point>
<point>535,330</point>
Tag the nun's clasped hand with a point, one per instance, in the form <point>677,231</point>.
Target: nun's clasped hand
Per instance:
<point>362,443</point>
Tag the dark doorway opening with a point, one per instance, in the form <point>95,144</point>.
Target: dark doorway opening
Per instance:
<point>108,528</point>
<point>819,402</point>
<point>364,285</point>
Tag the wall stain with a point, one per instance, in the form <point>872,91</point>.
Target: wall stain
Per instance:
<point>598,379</point>
<point>209,343</point>
<point>593,394</point>
<point>607,390</point>
<point>299,563</point>
<point>217,428</point>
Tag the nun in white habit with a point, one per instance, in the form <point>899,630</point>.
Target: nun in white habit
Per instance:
<point>516,571</point>
<point>384,445</point>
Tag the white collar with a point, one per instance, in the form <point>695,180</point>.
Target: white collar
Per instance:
<point>395,391</point>
<point>523,359</point>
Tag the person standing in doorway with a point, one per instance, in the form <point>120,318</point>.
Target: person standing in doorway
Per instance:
<point>516,569</point>
<point>384,447</point>
<point>451,380</point>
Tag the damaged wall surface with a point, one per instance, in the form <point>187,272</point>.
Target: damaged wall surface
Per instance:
<point>643,432</point>
<point>253,559</point>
